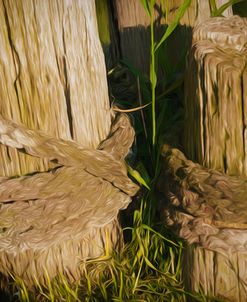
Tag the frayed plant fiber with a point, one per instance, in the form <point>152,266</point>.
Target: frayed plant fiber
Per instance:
<point>51,222</point>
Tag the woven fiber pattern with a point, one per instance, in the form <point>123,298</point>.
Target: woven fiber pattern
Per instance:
<point>203,205</point>
<point>51,221</point>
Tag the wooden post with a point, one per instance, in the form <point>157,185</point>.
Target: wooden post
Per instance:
<point>215,96</point>
<point>52,75</point>
<point>53,78</point>
<point>204,206</point>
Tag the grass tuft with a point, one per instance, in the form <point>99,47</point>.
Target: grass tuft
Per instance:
<point>147,269</point>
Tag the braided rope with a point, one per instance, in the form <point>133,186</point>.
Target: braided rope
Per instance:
<point>203,205</point>
<point>105,163</point>
<point>48,218</point>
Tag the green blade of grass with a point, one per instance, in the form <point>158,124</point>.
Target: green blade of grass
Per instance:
<point>182,9</point>
<point>213,5</point>
<point>222,8</point>
<point>153,77</point>
<point>145,6</point>
<point>159,235</point>
<point>136,175</point>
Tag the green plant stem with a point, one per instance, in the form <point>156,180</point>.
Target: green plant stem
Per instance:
<point>213,6</point>
<point>220,10</point>
<point>153,76</point>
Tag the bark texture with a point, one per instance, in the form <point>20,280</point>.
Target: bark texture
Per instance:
<point>52,74</point>
<point>207,209</point>
<point>215,100</point>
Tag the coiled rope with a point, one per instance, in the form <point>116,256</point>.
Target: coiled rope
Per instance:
<point>54,219</point>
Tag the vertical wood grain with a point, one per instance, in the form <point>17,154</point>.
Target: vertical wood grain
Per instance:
<point>52,74</point>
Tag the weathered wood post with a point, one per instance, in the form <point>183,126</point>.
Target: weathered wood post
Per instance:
<point>52,75</point>
<point>215,100</point>
<point>207,207</point>
<point>53,78</point>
